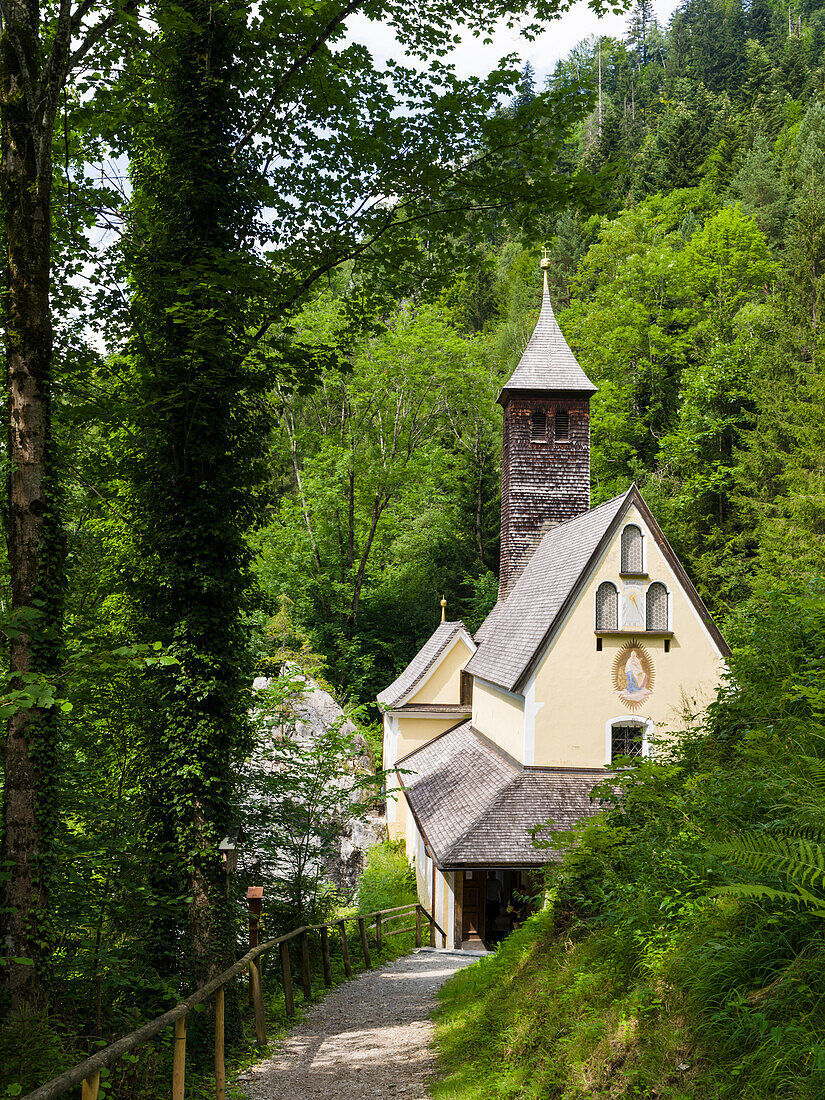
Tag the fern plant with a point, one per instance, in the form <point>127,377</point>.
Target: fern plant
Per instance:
<point>796,856</point>
<point>797,859</point>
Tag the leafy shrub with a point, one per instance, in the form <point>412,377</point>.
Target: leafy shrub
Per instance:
<point>388,879</point>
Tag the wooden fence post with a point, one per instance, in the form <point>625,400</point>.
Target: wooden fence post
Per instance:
<point>342,928</point>
<point>91,1087</point>
<point>379,934</point>
<point>286,974</point>
<point>365,945</point>
<point>179,1059</point>
<point>431,919</point>
<point>306,976</point>
<point>258,1003</point>
<point>325,955</point>
<point>418,926</point>
<point>220,1064</point>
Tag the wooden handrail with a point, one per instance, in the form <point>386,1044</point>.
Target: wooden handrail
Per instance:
<point>110,1055</point>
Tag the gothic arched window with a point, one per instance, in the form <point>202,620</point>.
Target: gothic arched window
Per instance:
<point>632,550</point>
<point>607,606</point>
<point>656,616</point>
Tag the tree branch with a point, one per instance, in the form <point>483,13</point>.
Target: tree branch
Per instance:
<point>296,65</point>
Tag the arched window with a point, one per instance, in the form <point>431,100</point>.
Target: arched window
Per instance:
<point>561,426</point>
<point>538,427</point>
<point>632,550</point>
<point>607,606</point>
<point>626,738</point>
<point>656,616</point>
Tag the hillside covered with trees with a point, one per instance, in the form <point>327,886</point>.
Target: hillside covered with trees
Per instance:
<point>261,297</point>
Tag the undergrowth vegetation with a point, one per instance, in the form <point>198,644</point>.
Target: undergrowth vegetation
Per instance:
<point>667,965</point>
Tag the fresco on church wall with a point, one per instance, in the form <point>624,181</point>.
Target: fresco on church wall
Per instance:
<point>633,607</point>
<point>633,674</point>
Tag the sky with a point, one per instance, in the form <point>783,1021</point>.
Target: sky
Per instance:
<point>543,53</point>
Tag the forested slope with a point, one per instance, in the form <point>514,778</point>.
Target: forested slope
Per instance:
<point>682,952</point>
<point>693,300</point>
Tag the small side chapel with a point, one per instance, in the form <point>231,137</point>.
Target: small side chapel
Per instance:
<point>598,640</point>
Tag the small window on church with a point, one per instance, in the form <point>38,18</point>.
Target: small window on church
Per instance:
<point>538,427</point>
<point>607,606</point>
<point>632,550</point>
<point>656,607</point>
<point>562,426</point>
<point>466,689</point>
<point>626,739</point>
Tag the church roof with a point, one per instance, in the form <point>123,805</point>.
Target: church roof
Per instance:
<point>547,362</point>
<point>426,658</point>
<point>519,625</point>
<point>476,807</point>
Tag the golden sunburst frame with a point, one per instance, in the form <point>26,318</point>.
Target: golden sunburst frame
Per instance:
<point>633,674</point>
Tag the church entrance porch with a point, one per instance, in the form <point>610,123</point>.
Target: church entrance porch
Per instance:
<point>490,902</point>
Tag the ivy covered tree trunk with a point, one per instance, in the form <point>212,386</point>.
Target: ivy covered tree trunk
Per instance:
<point>33,533</point>
<point>195,464</point>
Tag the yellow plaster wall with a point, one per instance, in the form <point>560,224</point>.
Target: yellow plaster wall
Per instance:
<point>444,684</point>
<point>415,732</point>
<point>574,683</point>
<point>500,717</point>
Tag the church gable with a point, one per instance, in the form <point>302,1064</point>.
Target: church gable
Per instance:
<point>632,649</point>
<point>433,675</point>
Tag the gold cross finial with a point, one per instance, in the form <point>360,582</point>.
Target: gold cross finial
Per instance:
<point>443,609</point>
<point>545,258</point>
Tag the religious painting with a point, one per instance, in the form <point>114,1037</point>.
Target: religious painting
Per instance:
<point>633,607</point>
<point>633,674</point>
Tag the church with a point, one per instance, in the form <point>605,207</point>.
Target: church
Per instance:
<point>598,642</point>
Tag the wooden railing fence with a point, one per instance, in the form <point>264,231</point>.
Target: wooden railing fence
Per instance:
<point>86,1074</point>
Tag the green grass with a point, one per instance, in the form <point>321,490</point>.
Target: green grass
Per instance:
<point>548,1016</point>
<point>555,1015</point>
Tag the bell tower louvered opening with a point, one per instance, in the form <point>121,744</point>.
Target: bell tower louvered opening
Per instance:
<point>538,427</point>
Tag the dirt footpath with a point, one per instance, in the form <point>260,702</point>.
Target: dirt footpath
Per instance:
<point>368,1040</point>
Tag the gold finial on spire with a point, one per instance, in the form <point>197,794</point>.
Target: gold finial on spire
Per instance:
<point>443,609</point>
<point>545,258</point>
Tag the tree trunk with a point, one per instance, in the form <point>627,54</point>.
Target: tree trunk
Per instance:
<point>35,556</point>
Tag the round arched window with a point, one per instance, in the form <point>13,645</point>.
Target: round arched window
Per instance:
<point>656,609</point>
<point>632,550</point>
<point>607,606</point>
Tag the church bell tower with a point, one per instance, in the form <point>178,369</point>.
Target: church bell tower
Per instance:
<point>545,477</point>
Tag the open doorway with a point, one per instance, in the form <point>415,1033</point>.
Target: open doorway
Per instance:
<point>490,903</point>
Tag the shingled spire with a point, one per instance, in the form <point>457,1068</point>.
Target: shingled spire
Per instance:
<point>545,476</point>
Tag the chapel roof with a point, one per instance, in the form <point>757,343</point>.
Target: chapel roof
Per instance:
<point>508,643</point>
<point>476,807</point>
<point>426,658</point>
<point>547,362</point>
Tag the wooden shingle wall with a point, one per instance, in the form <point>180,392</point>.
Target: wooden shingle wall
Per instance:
<point>541,483</point>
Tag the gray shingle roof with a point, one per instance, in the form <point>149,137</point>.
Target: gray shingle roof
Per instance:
<point>421,664</point>
<point>548,363</point>
<point>475,806</point>
<point>519,626</point>
<point>451,781</point>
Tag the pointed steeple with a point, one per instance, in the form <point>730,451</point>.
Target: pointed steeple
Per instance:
<point>545,470</point>
<point>547,363</point>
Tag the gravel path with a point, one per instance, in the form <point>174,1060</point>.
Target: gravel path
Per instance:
<point>367,1040</point>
